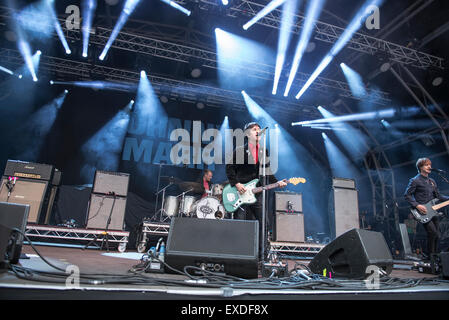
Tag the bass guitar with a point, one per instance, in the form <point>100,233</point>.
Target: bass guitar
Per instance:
<point>232,199</point>
<point>432,208</point>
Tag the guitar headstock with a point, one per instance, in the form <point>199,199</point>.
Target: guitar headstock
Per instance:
<point>296,181</point>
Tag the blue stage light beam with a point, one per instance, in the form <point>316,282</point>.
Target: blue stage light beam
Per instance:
<point>266,10</point>
<point>128,9</point>
<point>235,55</point>
<point>353,26</point>
<point>102,151</point>
<point>352,139</point>
<point>89,7</point>
<point>225,2</point>
<point>340,165</point>
<point>98,85</point>
<point>287,22</point>
<point>354,80</point>
<point>57,26</point>
<point>313,11</point>
<point>35,59</point>
<point>175,5</point>
<point>34,131</point>
<point>6,70</point>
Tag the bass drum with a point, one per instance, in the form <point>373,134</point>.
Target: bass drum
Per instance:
<point>208,208</point>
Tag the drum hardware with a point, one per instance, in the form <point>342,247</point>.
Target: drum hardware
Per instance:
<point>162,211</point>
<point>185,203</point>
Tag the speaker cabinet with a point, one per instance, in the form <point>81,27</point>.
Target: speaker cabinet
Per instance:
<point>12,215</point>
<point>222,246</point>
<point>350,254</point>
<point>289,227</point>
<point>344,214</point>
<point>106,182</point>
<point>26,191</point>
<point>100,207</point>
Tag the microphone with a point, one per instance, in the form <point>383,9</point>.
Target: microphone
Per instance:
<point>437,170</point>
<point>262,131</point>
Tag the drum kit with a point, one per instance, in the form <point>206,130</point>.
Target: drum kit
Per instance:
<point>208,206</point>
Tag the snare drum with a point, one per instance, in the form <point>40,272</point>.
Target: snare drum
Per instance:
<point>209,208</point>
<point>171,206</point>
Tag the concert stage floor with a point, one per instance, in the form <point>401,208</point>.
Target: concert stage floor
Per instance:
<point>407,284</point>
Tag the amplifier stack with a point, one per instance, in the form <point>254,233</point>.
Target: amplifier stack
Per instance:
<point>107,203</point>
<point>289,217</point>
<point>32,184</point>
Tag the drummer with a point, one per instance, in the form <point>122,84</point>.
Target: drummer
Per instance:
<point>207,182</point>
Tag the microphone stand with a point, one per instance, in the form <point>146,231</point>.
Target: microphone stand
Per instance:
<point>264,161</point>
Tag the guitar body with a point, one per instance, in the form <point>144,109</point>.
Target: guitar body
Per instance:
<point>232,199</point>
<point>425,218</point>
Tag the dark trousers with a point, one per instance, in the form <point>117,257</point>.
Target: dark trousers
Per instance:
<point>433,235</point>
<point>253,212</point>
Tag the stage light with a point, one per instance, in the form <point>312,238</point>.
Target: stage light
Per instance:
<point>266,10</point>
<point>89,7</point>
<point>99,85</point>
<point>57,26</point>
<point>354,81</point>
<point>351,117</point>
<point>52,82</point>
<point>339,164</point>
<point>313,11</point>
<point>385,67</point>
<point>437,81</point>
<point>353,26</point>
<point>287,21</point>
<point>103,150</point>
<point>178,7</point>
<point>143,73</point>
<point>129,7</point>
<point>66,91</point>
<point>34,131</point>
<point>237,54</point>
<point>225,2</point>
<point>6,70</point>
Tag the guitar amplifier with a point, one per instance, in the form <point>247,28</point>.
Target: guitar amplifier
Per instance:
<point>29,170</point>
<point>106,182</point>
<point>289,202</point>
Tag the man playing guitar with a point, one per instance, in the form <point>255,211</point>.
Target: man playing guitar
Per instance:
<point>422,189</point>
<point>238,174</point>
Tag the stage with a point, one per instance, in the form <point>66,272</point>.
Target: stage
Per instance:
<point>105,275</point>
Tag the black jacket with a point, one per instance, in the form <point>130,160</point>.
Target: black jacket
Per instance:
<point>238,172</point>
<point>421,190</point>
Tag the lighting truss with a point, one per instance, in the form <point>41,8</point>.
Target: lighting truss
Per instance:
<point>330,34</point>
<point>137,43</point>
<point>186,91</point>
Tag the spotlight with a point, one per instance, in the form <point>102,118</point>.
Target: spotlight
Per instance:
<point>437,81</point>
<point>266,10</point>
<point>34,79</point>
<point>68,51</point>
<point>385,67</point>
<point>324,135</point>
<point>66,91</point>
<point>39,52</point>
<point>225,2</point>
<point>143,73</point>
<point>196,73</point>
<point>20,76</point>
<point>52,82</point>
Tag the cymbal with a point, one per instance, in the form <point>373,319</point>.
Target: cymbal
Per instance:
<point>187,185</point>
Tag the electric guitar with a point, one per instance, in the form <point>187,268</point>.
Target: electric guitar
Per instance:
<point>432,208</point>
<point>232,199</point>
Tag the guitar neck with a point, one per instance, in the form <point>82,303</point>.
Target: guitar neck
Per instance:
<point>440,205</point>
<point>267,187</point>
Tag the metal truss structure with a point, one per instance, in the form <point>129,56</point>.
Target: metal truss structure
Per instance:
<point>142,44</point>
<point>330,34</point>
<point>62,233</point>
<point>149,228</point>
<point>307,250</point>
